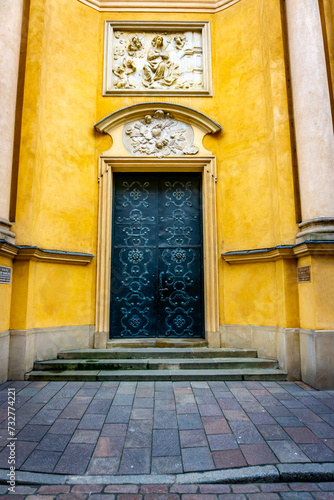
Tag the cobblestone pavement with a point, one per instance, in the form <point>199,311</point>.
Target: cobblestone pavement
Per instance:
<point>98,428</point>
<point>273,491</point>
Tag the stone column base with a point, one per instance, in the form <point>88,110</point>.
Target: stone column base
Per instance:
<point>320,229</point>
<point>316,351</point>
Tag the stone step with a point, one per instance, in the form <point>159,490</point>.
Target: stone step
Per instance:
<point>156,342</point>
<point>153,364</point>
<point>155,352</point>
<point>268,374</point>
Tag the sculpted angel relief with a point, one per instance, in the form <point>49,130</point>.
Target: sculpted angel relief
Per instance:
<point>163,60</point>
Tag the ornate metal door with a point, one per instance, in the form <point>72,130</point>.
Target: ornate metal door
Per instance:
<point>157,284</point>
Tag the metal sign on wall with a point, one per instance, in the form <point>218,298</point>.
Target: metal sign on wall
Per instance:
<point>5,275</point>
<point>304,274</point>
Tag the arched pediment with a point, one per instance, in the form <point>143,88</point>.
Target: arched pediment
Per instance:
<point>157,129</point>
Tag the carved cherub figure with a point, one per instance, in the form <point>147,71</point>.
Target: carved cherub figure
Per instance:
<point>179,41</point>
<point>123,72</point>
<point>135,45</point>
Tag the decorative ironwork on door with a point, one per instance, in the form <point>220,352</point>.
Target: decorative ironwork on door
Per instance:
<point>156,285</point>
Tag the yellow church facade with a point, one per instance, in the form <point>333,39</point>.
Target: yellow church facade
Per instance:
<point>234,95</point>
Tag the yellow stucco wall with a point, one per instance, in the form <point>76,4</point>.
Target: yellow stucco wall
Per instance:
<point>58,190</point>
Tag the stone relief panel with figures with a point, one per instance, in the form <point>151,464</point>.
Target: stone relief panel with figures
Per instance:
<point>160,135</point>
<point>157,58</point>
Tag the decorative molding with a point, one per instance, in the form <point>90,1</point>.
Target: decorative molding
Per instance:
<point>307,248</point>
<point>304,249</point>
<point>157,58</point>
<point>18,252</point>
<point>8,250</point>
<point>209,6</point>
<point>259,255</point>
<point>53,256</point>
<point>159,135</point>
<point>138,111</point>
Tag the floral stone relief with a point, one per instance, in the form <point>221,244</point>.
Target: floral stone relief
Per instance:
<point>159,135</point>
<point>146,60</point>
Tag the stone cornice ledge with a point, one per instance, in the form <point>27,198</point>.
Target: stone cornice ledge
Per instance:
<point>280,252</point>
<point>18,252</point>
<point>210,6</point>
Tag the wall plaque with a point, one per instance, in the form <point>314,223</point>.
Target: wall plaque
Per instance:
<point>157,58</point>
<point>5,275</point>
<point>304,274</point>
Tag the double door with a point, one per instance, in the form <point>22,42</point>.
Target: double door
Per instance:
<point>157,272</point>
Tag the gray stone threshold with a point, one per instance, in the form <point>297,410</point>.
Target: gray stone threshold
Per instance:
<point>258,474</point>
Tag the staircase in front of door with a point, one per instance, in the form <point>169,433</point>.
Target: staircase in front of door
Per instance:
<point>156,360</point>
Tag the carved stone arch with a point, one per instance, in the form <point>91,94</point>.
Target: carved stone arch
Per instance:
<point>120,159</point>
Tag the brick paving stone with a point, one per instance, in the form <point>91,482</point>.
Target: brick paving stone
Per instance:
<point>189,421</point>
<point>318,452</point>
<point>220,442</point>
<point>122,488</point>
<point>129,496</point>
<point>229,459</point>
<point>304,487</point>
<point>326,486</point>
<point>70,496</point>
<point>64,426</point>
<point>118,415</point>
<point>109,446</point>
<point>200,496</point>
<point>228,404</point>
<point>230,496</point>
<point>142,413</point>
<point>85,436</point>
<point>135,461</point>
<point>143,403</point>
<point>45,417</point>
<point>245,432</point>
<point>258,454</point>
<point>193,438</point>
<point>214,488</point>
<point>183,488</point>
<point>98,406</point>
<point>166,442</point>
<point>278,410</point>
<point>273,432</point>
<point>32,432</point>
<point>197,459</point>
<point>262,417</point>
<point>235,415</point>
<point>87,488</point>
<point>322,430</point>
<point>24,490</point>
<point>167,465</point>
<point>216,425</point>
<point>306,415</point>
<point>12,496</point>
<point>74,410</point>
<point>54,442</point>
<point>164,404</point>
<point>104,465</point>
<point>260,496</point>
<point>289,421</point>
<point>302,435</point>
<point>268,488</point>
<point>288,451</point>
<point>296,495</point>
<point>114,430</point>
<point>210,410</point>
<point>205,400</point>
<point>139,434</point>
<point>245,488</point>
<point>54,489</point>
<point>57,403</point>
<point>41,461</point>
<point>185,408</point>
<point>323,496</point>
<point>91,422</point>
<point>123,400</point>
<point>154,488</point>
<point>100,496</point>
<point>23,450</point>
<point>163,419</point>
<point>75,459</point>
<point>37,497</point>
